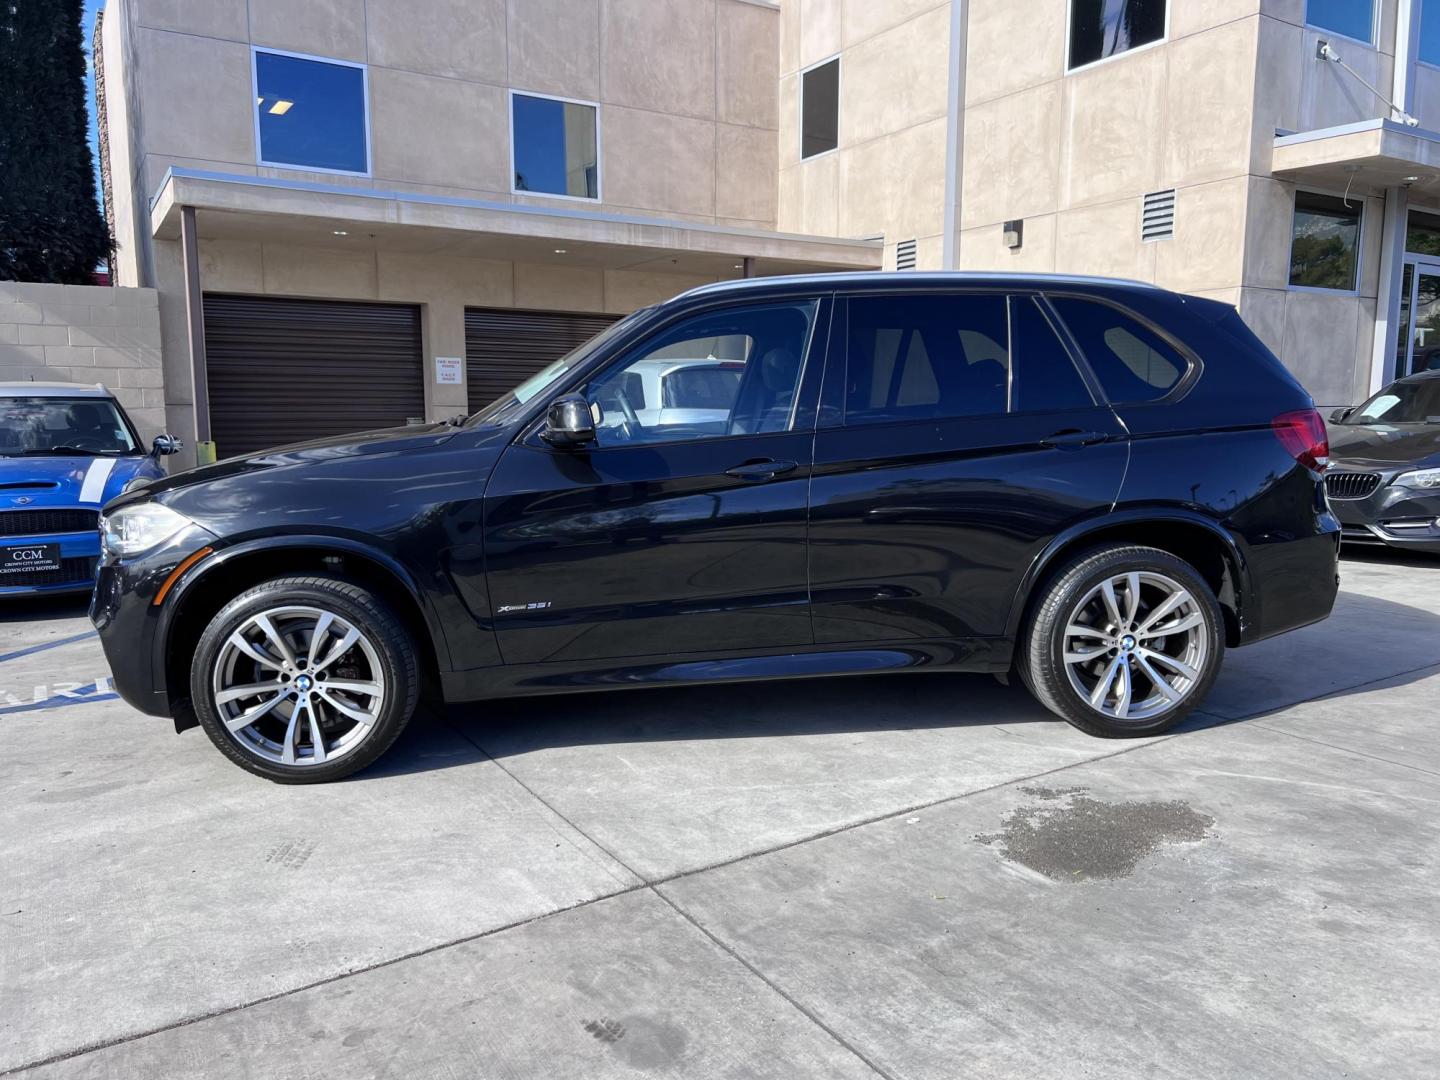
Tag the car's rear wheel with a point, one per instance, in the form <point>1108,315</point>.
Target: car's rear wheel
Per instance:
<point>1125,641</point>
<point>303,680</point>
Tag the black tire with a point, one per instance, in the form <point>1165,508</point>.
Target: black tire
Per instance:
<point>1042,647</point>
<point>385,633</point>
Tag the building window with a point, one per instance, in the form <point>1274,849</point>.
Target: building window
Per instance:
<point>1422,235</point>
<point>1350,18</point>
<point>555,146</point>
<point>1325,243</point>
<point>820,108</point>
<point>1430,32</point>
<point>311,113</point>
<point>1104,28</point>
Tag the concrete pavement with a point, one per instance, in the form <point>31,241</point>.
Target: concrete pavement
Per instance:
<point>906,877</point>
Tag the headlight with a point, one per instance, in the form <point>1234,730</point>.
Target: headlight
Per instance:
<point>1420,479</point>
<point>135,529</point>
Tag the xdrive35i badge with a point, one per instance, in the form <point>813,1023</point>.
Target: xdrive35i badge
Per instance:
<point>505,609</point>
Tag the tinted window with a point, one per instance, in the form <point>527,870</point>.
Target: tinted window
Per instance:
<point>1131,361</point>
<point>1353,18</point>
<point>926,358</point>
<point>1325,244</point>
<point>311,113</point>
<point>1101,28</point>
<point>820,109</point>
<point>555,147</point>
<point>763,347</point>
<point>1046,379</point>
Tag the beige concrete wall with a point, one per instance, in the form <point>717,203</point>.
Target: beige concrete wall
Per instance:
<point>86,334</point>
<point>442,286</point>
<point>1074,154</point>
<point>686,90</point>
<point>887,176</point>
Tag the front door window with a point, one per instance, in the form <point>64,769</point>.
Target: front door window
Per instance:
<point>724,373</point>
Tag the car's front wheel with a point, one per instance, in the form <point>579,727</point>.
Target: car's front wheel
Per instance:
<point>1125,641</point>
<point>304,679</point>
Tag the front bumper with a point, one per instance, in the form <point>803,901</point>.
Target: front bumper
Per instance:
<point>79,552</point>
<point>132,628</point>
<point>1390,516</point>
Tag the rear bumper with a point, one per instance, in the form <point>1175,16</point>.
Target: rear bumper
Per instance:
<point>1293,584</point>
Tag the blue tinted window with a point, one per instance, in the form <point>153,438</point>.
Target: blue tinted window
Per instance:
<point>1430,31</point>
<point>1353,18</point>
<point>312,113</point>
<point>555,147</point>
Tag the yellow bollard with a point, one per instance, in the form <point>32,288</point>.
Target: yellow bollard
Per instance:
<point>204,453</point>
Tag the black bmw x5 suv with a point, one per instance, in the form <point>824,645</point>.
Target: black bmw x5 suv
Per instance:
<point>1099,484</point>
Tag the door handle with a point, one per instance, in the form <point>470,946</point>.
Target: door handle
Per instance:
<point>1070,439</point>
<point>759,471</point>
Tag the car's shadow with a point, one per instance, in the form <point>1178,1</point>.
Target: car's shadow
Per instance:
<point>1378,639</point>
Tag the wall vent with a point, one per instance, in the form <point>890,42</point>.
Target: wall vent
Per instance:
<point>905,255</point>
<point>1158,218</point>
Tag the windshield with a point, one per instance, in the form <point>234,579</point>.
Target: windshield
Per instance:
<point>507,403</point>
<point>1401,403</point>
<point>57,425</point>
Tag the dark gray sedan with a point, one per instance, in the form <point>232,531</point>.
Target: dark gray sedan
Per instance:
<point>1384,475</point>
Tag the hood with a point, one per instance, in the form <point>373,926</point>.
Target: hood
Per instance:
<point>329,450</point>
<point>1386,445</point>
<point>44,481</point>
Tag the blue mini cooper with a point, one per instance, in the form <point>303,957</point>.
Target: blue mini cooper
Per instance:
<point>65,450</point>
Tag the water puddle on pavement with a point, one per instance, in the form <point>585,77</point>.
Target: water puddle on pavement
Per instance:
<point>1067,835</point>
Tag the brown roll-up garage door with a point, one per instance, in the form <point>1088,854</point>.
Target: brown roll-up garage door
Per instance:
<point>283,371</point>
<point>504,347</point>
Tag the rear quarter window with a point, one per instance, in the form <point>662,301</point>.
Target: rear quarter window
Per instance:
<point>1132,362</point>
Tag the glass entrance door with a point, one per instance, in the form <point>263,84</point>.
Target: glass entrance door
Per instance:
<point>1418,348</point>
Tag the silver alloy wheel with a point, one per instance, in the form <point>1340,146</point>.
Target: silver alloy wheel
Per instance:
<point>298,685</point>
<point>1136,646</point>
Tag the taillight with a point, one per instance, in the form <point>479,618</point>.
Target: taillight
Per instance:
<point>1303,434</point>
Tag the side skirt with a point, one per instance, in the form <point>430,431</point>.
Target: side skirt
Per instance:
<point>985,655</point>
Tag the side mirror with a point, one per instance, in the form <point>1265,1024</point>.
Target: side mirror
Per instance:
<point>1339,416</point>
<point>165,445</point>
<point>569,422</point>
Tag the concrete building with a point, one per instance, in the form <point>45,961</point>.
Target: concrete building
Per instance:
<point>364,210</point>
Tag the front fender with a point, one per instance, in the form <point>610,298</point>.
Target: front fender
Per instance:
<point>208,569</point>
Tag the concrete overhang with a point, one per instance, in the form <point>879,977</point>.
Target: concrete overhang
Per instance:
<point>268,210</point>
<point>1375,153</point>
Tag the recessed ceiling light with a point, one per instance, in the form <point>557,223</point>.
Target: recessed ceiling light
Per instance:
<point>281,107</point>
<point>341,232</point>
<point>1412,179</point>
<point>559,251</point>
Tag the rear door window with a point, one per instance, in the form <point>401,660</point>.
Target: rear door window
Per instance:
<point>1046,379</point>
<point>926,358</point>
<point>1132,362</point>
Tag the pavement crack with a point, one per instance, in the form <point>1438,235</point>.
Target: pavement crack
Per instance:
<point>774,987</point>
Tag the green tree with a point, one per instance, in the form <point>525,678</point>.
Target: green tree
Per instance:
<point>50,223</point>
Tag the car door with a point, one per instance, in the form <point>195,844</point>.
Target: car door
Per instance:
<point>670,534</point>
<point>957,435</point>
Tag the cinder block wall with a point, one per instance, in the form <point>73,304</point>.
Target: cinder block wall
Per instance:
<point>86,334</point>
